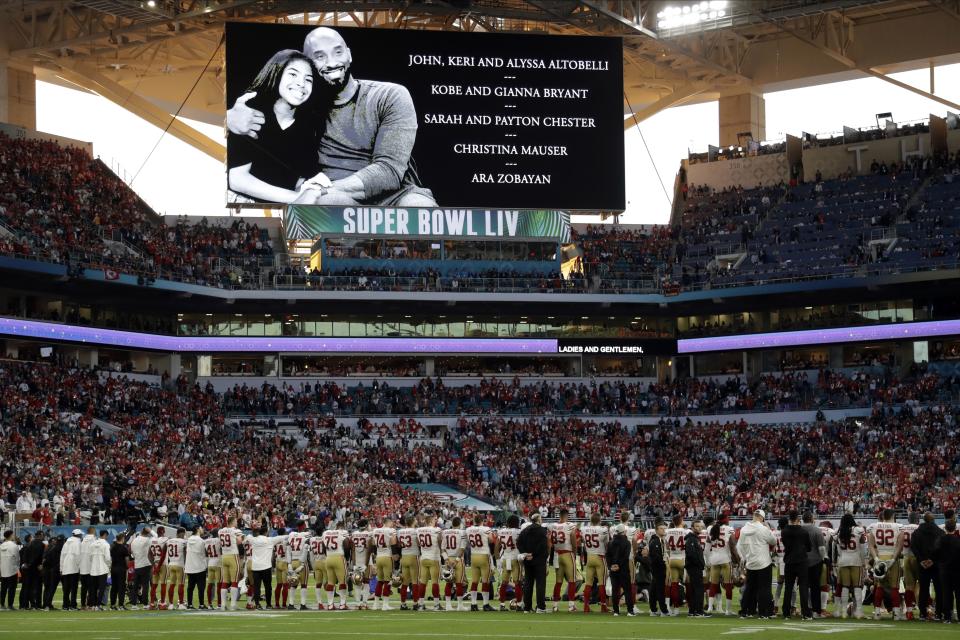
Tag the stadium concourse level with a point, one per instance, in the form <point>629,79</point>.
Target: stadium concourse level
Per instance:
<point>59,205</point>
<point>790,391</point>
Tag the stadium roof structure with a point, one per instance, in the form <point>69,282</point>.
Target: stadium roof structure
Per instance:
<point>163,57</point>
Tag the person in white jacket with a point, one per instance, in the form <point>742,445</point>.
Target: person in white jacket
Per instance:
<point>140,550</point>
<point>99,569</point>
<point>196,567</point>
<point>70,569</point>
<point>754,546</point>
<point>86,599</point>
<point>9,566</point>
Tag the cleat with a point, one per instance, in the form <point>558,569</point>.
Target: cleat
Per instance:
<point>321,607</point>
<point>386,607</point>
<point>473,607</point>
<point>487,607</point>
<point>572,607</point>
<point>303,607</point>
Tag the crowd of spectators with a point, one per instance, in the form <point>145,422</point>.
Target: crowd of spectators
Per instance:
<point>58,204</point>
<point>171,454</point>
<point>787,391</point>
<point>694,468</point>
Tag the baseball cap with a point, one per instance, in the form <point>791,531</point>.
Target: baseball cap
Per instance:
<point>761,513</point>
<point>77,532</point>
<point>619,529</point>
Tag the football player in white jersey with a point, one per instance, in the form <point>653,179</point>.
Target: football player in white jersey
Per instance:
<point>454,546</point>
<point>826,527</point>
<point>777,556</point>
<point>158,553</point>
<point>849,545</point>
<point>564,537</point>
<point>176,558</point>
<point>211,549</point>
<point>383,540</point>
<point>480,538</point>
<point>885,546</point>
<point>298,544</point>
<point>337,543</point>
<point>595,539</point>
<point>409,563</point>
<point>911,570</point>
<point>361,562</point>
<point>318,563</point>
<point>675,537</point>
<point>509,562</point>
<point>281,590</point>
<point>430,541</point>
<point>231,539</point>
<point>722,557</point>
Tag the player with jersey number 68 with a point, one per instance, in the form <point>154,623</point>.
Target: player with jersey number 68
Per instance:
<point>480,538</point>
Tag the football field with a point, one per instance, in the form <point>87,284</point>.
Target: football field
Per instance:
<point>402,625</point>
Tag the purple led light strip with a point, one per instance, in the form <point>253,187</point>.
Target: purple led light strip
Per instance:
<point>900,331</point>
<point>184,344</point>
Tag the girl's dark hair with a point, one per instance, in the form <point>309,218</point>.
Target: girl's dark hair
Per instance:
<point>847,523</point>
<point>267,83</point>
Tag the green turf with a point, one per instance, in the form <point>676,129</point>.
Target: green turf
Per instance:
<point>414,625</point>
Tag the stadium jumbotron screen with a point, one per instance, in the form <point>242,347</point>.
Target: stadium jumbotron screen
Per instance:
<point>423,119</point>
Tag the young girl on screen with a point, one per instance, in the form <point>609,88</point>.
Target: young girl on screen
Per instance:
<point>282,159</point>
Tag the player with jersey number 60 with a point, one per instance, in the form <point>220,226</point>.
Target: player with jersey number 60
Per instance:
<point>429,539</point>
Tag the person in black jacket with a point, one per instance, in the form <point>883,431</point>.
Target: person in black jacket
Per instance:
<point>30,560</point>
<point>51,571</point>
<point>119,558</point>
<point>618,560</point>
<point>796,545</point>
<point>694,563</point>
<point>923,543</point>
<point>534,547</point>
<point>948,561</point>
<point>656,553</point>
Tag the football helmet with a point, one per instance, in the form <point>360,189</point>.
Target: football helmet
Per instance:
<point>293,578</point>
<point>358,575</point>
<point>396,580</point>
<point>879,570</point>
<point>446,573</point>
